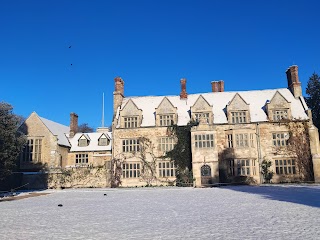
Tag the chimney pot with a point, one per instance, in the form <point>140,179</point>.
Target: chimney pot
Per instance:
<point>221,86</point>
<point>217,86</point>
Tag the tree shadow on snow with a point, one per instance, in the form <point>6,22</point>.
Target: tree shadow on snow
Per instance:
<point>305,195</point>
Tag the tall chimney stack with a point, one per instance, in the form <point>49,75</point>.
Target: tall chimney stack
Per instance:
<point>119,85</point>
<point>73,124</point>
<point>118,94</point>
<point>183,93</point>
<point>217,86</point>
<point>293,81</point>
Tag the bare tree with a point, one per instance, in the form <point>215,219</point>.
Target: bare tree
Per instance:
<point>299,145</point>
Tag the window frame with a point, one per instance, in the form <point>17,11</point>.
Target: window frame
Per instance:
<point>285,166</point>
<point>81,158</point>
<point>234,140</point>
<point>205,116</point>
<point>32,150</point>
<point>242,140</point>
<point>130,122</point>
<point>239,117</point>
<point>204,140</point>
<point>166,120</point>
<point>166,169</point>
<point>103,137</point>
<point>242,167</point>
<point>83,142</point>
<point>278,115</point>
<point>131,170</point>
<point>166,144</point>
<point>131,145</point>
<point>280,139</point>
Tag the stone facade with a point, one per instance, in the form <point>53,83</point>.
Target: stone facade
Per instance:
<point>54,149</point>
<point>236,132</point>
<point>50,153</point>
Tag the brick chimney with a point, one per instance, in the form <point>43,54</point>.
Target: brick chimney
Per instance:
<point>217,86</point>
<point>183,93</point>
<point>73,124</point>
<point>293,81</point>
<point>119,85</point>
<point>118,94</point>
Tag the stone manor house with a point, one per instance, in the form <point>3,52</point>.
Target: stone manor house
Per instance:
<point>236,131</point>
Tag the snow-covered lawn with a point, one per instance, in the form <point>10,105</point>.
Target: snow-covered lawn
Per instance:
<point>238,212</point>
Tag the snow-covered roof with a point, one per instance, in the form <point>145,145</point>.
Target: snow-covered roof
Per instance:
<point>59,130</point>
<point>219,100</point>
<point>93,142</point>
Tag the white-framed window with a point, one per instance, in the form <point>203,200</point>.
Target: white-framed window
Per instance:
<point>242,140</point>
<point>230,140</point>
<point>83,142</point>
<point>204,140</point>
<point>82,158</point>
<point>131,170</point>
<point>239,117</point>
<point>166,144</point>
<point>166,120</point>
<point>279,114</point>
<point>32,150</point>
<point>205,117</point>
<point>130,145</point>
<point>242,167</point>
<point>252,142</point>
<point>103,141</point>
<point>130,122</point>
<point>285,166</point>
<point>166,169</point>
<point>280,139</point>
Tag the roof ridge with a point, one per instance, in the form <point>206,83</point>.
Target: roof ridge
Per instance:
<point>201,93</point>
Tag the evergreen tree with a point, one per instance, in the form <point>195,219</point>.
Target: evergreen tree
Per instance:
<point>313,100</point>
<point>11,140</point>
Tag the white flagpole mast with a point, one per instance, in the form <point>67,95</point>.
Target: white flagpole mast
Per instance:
<point>102,122</point>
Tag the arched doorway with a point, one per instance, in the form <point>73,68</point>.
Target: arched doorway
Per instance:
<point>206,175</point>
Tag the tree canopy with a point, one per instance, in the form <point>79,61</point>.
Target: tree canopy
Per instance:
<point>313,100</point>
<point>11,140</point>
<point>85,128</point>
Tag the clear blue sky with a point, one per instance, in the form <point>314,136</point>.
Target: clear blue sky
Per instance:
<point>151,44</point>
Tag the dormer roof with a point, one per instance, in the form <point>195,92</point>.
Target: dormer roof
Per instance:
<point>255,99</point>
<point>93,144</point>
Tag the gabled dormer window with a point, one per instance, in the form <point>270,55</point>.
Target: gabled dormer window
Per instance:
<point>278,108</point>
<point>201,111</point>
<point>238,110</point>
<point>165,113</point>
<point>130,115</point>
<point>83,141</point>
<point>103,140</point>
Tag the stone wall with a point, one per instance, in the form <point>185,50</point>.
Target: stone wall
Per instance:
<point>51,152</point>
